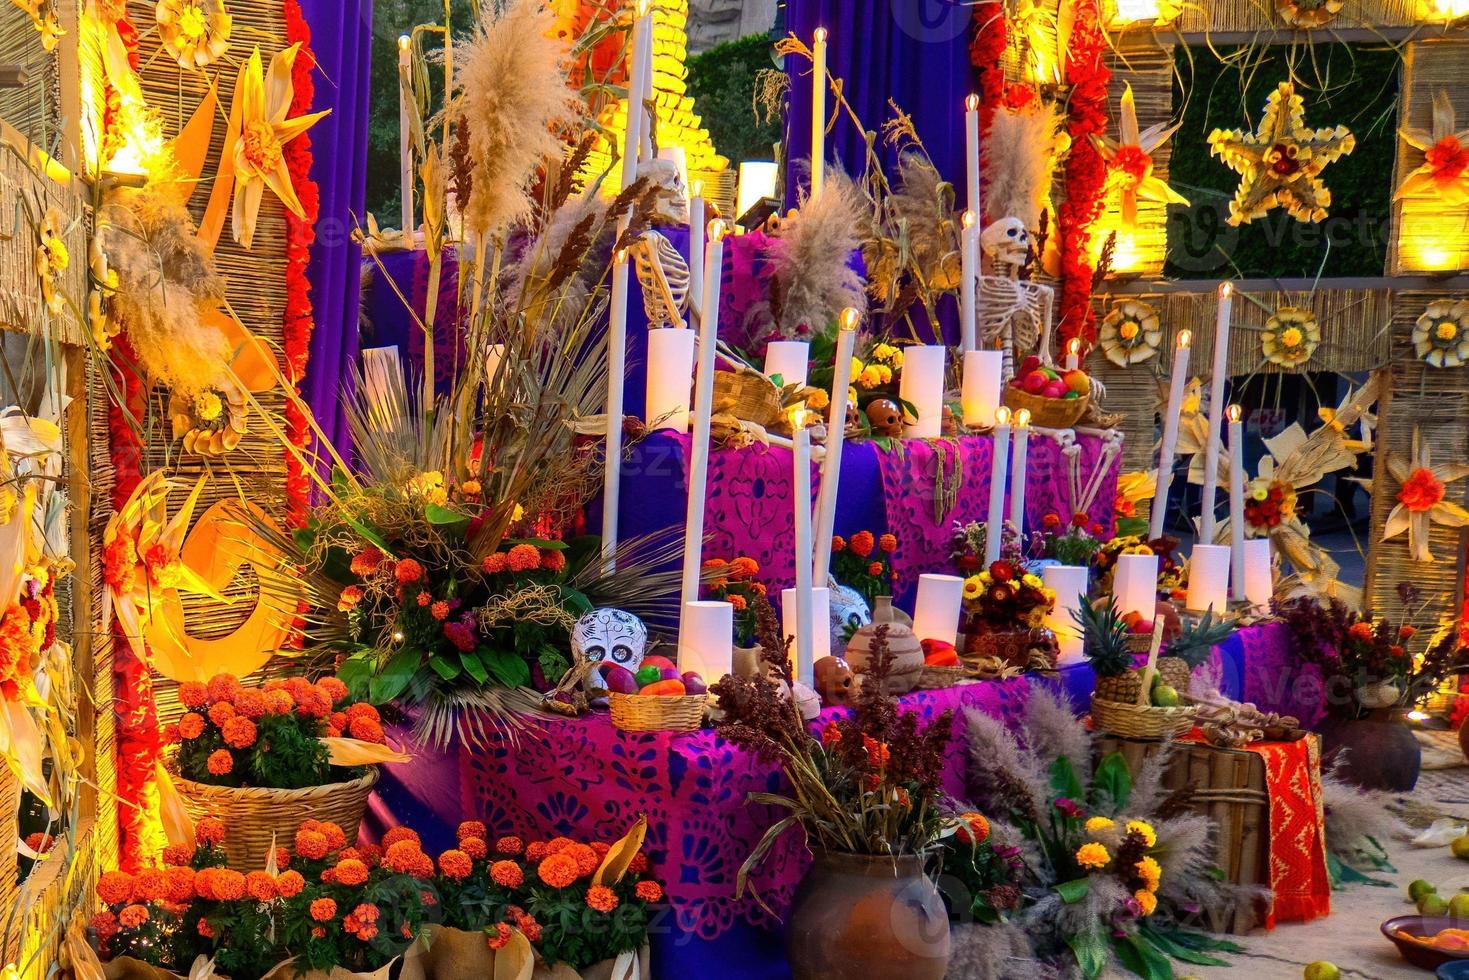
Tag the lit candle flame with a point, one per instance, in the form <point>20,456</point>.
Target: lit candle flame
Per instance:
<point>717,229</point>
<point>1235,413</point>
<point>620,256</point>
<point>1185,337</point>
<point>849,319</point>
<point>969,220</point>
<point>403,42</point>
<point>798,418</point>
<point>1022,418</point>
<point>1073,346</point>
<point>698,187</point>
<point>1002,415</point>
<point>971,102</point>
<point>1226,289</point>
<point>643,6</point>
<point>820,35</point>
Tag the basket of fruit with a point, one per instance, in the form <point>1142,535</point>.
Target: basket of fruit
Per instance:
<point>1055,398</point>
<point>657,698</point>
<point>1129,701</point>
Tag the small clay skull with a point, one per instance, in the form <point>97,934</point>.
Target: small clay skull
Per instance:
<point>885,417</point>
<point>833,681</point>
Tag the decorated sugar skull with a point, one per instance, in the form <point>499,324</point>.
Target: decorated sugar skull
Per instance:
<point>849,613</point>
<point>673,200</point>
<point>610,635</point>
<point>1006,242</point>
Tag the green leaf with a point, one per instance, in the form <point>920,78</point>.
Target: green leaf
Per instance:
<point>1113,780</point>
<point>389,682</point>
<point>474,666</point>
<point>1090,949</point>
<point>1142,958</point>
<point>340,484</point>
<point>542,543</point>
<point>575,601</point>
<point>1135,527</point>
<point>371,535</point>
<point>304,537</point>
<point>1074,890</point>
<point>509,669</point>
<point>445,667</point>
<point>435,514</point>
<point>1179,950</point>
<point>1064,781</point>
<point>355,672</point>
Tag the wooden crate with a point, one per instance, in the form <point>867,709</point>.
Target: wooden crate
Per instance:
<point>1228,787</point>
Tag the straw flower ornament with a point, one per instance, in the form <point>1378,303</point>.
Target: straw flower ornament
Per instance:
<point>1422,496</point>
<point>1444,173</point>
<point>195,33</point>
<point>1441,334</point>
<point>52,259</point>
<point>44,19</point>
<point>1130,160</point>
<point>1130,333</point>
<point>1290,337</point>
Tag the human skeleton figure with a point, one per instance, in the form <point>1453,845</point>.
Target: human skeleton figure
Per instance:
<point>662,272</point>
<point>1009,310</point>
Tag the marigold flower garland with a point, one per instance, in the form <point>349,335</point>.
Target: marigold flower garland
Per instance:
<point>1085,172</point>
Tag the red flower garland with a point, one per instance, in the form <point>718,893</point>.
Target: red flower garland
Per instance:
<point>1085,171</point>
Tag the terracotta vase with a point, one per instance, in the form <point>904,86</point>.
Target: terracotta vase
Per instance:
<point>860,917</point>
<point>1380,750</point>
<point>905,647</point>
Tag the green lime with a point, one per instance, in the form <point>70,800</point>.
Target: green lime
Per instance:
<point>1433,906</point>
<point>1420,888</point>
<point>1321,970</point>
<point>1165,696</point>
<point>1459,907</point>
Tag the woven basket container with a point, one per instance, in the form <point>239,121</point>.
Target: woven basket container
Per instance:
<point>255,819</point>
<point>1142,721</point>
<point>9,835</point>
<point>648,713</point>
<point>748,397</point>
<point>1010,647</point>
<point>1050,413</point>
<point>934,678</point>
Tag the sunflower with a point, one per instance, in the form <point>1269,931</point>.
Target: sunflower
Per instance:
<point>1291,336</point>
<point>1130,333</point>
<point>194,32</point>
<point>1441,334</point>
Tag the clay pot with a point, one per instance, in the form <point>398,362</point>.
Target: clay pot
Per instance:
<point>905,647</point>
<point>860,917</point>
<point>1380,751</point>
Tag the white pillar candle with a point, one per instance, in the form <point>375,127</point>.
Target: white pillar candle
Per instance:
<point>971,156</point>
<point>693,542</point>
<point>980,395</point>
<point>820,620</point>
<point>1236,502</point>
<point>696,249</point>
<point>706,640</point>
<point>801,503</point>
<point>1216,411</point>
<point>670,376</point>
<point>1073,354</point>
<point>922,386</point>
<point>836,432</point>
<point>1259,574</point>
<point>1208,578</point>
<point>1017,469</point>
<point>994,531</point>
<point>1170,433</point>
<point>1135,585</point>
<point>1069,582</point>
<point>818,111</point>
<point>938,606</point>
<point>791,359</point>
<point>405,134</point>
<point>968,280</point>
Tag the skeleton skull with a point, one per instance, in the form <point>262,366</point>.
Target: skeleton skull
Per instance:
<point>1006,242</point>
<point>611,635</point>
<point>673,199</point>
<point>885,417</point>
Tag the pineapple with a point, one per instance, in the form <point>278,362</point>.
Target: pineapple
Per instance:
<point>1176,668</point>
<point>1107,650</point>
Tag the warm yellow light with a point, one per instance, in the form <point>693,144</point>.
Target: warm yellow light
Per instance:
<point>620,256</point>
<point>1432,258</point>
<point>969,220</point>
<point>1022,418</point>
<point>1416,715</point>
<point>1234,413</point>
<point>698,188</point>
<point>403,42</point>
<point>1226,290</point>
<point>849,319</point>
<point>971,102</point>
<point>798,418</point>
<point>717,229</point>
<point>1134,11</point>
<point>1073,346</point>
<point>757,182</point>
<point>1185,337</point>
<point>1002,415</point>
<point>643,6</point>
<point>1445,9</point>
<point>821,35</point>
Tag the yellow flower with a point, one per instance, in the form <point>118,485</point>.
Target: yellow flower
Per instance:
<point>1093,855</point>
<point>984,578</point>
<point>1259,490</point>
<point>9,503</point>
<point>897,359</point>
<point>1036,618</point>
<point>1095,825</point>
<point>857,367</point>
<point>195,33</point>
<point>1144,830</point>
<point>1147,902</point>
<point>518,515</point>
<point>1128,329</point>
<point>851,395</point>
<point>57,253</point>
<point>1291,336</point>
<point>1150,872</point>
<point>1138,549</point>
<point>884,352</point>
<point>1446,330</point>
<point>1031,580</point>
<point>818,400</point>
<point>870,377</point>
<point>430,487</point>
<point>885,373</point>
<point>973,587</point>
<point>207,406</point>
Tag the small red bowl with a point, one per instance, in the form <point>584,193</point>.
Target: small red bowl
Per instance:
<point>1427,957</point>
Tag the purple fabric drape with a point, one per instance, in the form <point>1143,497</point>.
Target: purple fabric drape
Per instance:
<point>341,38</point>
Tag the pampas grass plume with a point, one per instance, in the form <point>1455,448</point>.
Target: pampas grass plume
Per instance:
<point>810,258</point>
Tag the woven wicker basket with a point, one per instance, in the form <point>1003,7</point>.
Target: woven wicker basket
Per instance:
<point>934,678</point>
<point>255,819</point>
<point>747,396</point>
<point>1050,413</point>
<point>1011,647</point>
<point>1142,721</point>
<point>649,713</point>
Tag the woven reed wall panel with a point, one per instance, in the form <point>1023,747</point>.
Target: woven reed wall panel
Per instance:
<point>1146,63</point>
<point>103,473</point>
<point>1436,400</point>
<point>1427,236</point>
<point>1249,16</point>
<point>25,196</point>
<point>35,107</point>
<point>58,897</point>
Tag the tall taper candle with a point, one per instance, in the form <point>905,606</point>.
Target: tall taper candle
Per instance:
<point>836,430</point>
<point>801,501</point>
<point>818,111</point>
<point>1236,502</point>
<point>968,280</point>
<point>1170,433</point>
<point>994,529</point>
<point>696,249</point>
<point>405,134</point>
<point>617,307</point>
<point>1017,469</point>
<point>1216,411</point>
<point>693,541</point>
<point>971,156</point>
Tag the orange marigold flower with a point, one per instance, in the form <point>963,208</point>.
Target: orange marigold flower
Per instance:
<point>649,891</point>
<point>601,847</point>
<point>191,725</point>
<point>251,703</point>
<point>973,828</point>
<point>220,762</point>
<point>396,834</point>
<point>192,694</point>
<point>558,844</point>
<point>332,688</point>
<point>220,884</point>
<point>888,543</point>
<point>439,610</point>
<point>177,855</point>
<point>289,883</point>
<point>150,885</point>
<point>350,598</point>
<point>507,874</point>
<point>523,558</point>
<point>133,916</point>
<point>318,932</point>
<point>494,564</point>
<point>424,599</point>
<point>639,863</point>
<point>336,839</point>
<point>408,570</point>
<point>221,712</point>
<point>1361,631</point>
<point>455,864</point>
<point>282,858</point>
<point>351,871</point>
<point>474,847</point>
<point>322,909</point>
<point>311,844</point>
<point>280,702</point>
<point>105,924</point>
<point>557,870</point>
<point>363,710</point>
<point>862,544</point>
<point>260,886</point>
<point>367,912</point>
<point>739,602</point>
<point>205,929</point>
<point>171,734</point>
<point>365,562</point>
<point>239,732</point>
<point>838,543</point>
<point>586,859</point>
<point>500,937</point>
<point>180,884</point>
<point>535,851</point>
<point>402,856</point>
<point>470,828</point>
<point>875,568</point>
<point>115,887</point>
<point>209,831</point>
<point>366,730</point>
<point>553,560</point>
<point>509,845</point>
<point>744,567</point>
<point>223,687</point>
<point>1421,490</point>
<point>601,898</point>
